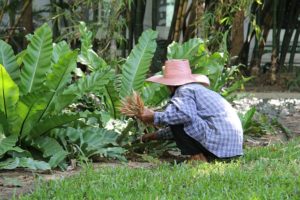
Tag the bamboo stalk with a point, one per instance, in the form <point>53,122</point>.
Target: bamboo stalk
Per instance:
<point>274,46</point>
<point>177,26</point>
<point>237,34</point>
<point>173,23</point>
<point>200,9</point>
<point>184,13</point>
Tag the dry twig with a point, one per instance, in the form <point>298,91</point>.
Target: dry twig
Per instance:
<point>132,105</point>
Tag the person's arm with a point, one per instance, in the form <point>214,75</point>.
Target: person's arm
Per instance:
<point>161,134</point>
<point>182,109</point>
<point>165,134</point>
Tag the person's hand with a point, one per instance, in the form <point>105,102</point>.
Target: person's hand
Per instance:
<point>147,116</point>
<point>148,137</point>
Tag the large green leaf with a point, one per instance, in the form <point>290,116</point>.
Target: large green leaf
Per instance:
<point>39,103</point>
<point>187,50</point>
<point>87,55</point>
<point>7,144</point>
<point>61,72</point>
<point>8,60</point>
<point>13,163</point>
<point>112,100</point>
<point>92,60</point>
<point>9,94</point>
<point>3,125</point>
<point>59,77</point>
<point>20,57</point>
<point>154,94</point>
<point>86,39</point>
<point>137,64</point>
<point>95,141</point>
<point>59,49</point>
<point>51,149</point>
<point>94,82</point>
<point>34,164</point>
<point>31,106</point>
<point>100,141</point>
<point>37,61</point>
<point>52,122</point>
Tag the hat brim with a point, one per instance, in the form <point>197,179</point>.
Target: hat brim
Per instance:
<point>194,78</point>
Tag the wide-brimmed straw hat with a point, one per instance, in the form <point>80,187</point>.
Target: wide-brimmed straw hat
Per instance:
<point>178,72</point>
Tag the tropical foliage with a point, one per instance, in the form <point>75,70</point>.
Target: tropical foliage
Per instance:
<point>33,97</point>
<point>41,92</point>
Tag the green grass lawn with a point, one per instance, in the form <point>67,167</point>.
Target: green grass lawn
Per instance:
<point>271,172</point>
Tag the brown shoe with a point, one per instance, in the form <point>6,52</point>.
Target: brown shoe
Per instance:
<point>198,157</point>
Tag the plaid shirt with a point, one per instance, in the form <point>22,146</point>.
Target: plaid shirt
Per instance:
<point>206,116</point>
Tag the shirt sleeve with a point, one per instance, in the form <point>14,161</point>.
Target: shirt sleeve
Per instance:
<point>181,109</point>
<point>165,134</point>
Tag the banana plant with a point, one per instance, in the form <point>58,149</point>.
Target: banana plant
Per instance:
<point>34,94</point>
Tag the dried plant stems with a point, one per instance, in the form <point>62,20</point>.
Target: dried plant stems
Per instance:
<point>132,105</point>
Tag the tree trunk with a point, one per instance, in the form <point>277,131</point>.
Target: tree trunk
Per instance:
<point>237,33</point>
<point>178,18</point>
<point>17,21</point>
<point>199,13</point>
<point>184,13</point>
<point>274,45</point>
<point>26,20</point>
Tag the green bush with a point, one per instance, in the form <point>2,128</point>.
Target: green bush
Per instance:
<point>35,89</point>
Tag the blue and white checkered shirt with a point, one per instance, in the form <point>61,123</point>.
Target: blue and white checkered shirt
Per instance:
<point>207,117</point>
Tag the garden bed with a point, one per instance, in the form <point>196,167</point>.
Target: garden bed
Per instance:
<point>20,181</point>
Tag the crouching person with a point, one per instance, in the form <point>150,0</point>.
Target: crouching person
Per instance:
<point>202,123</point>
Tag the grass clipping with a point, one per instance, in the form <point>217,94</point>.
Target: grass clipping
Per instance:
<point>132,105</point>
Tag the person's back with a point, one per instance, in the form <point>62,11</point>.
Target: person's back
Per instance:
<point>217,125</point>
